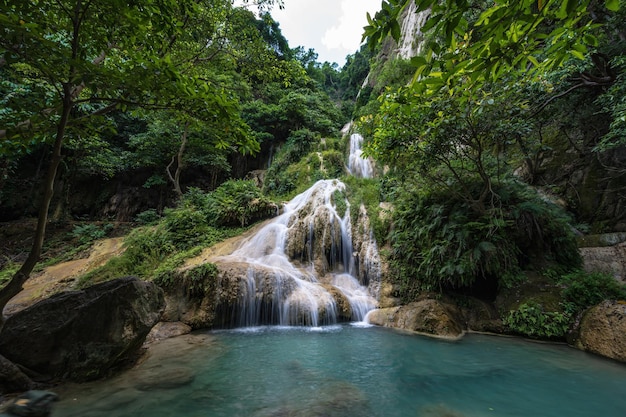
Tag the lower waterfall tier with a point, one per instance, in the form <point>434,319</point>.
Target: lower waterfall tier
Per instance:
<point>301,268</point>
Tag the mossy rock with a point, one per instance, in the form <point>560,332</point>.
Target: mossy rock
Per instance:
<point>536,288</point>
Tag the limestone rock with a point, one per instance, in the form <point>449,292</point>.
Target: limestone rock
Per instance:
<point>603,330</point>
<point>165,330</point>
<point>481,316</point>
<point>82,335</point>
<point>605,253</point>
<point>388,295</point>
<point>428,316</point>
<point>369,265</point>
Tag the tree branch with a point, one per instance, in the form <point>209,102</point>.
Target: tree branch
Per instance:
<point>74,93</point>
<point>551,99</point>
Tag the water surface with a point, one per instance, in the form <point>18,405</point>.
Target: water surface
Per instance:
<point>354,371</point>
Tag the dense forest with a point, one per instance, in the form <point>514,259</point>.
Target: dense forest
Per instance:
<point>499,140</point>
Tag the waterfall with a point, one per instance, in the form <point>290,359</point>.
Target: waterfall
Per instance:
<point>300,268</point>
<point>304,267</point>
<point>357,164</point>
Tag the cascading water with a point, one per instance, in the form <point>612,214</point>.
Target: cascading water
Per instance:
<point>300,268</point>
<point>357,164</point>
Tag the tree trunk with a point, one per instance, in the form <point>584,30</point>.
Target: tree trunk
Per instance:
<point>175,178</point>
<point>13,287</point>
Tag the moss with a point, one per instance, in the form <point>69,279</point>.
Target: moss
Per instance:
<point>196,281</point>
<point>366,191</point>
<point>7,272</point>
<point>601,240</point>
<point>535,288</point>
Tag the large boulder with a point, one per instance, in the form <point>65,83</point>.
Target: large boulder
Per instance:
<point>12,379</point>
<point>603,330</point>
<point>431,317</point>
<point>83,335</point>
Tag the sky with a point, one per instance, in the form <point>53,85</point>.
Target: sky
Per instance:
<point>332,27</point>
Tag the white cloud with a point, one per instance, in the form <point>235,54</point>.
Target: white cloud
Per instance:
<point>347,33</point>
<point>332,27</point>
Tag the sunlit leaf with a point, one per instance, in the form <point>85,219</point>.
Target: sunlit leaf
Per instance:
<point>612,5</point>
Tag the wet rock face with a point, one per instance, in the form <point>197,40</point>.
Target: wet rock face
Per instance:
<point>603,330</point>
<point>316,236</point>
<point>82,335</point>
<point>369,264</point>
<point>427,316</point>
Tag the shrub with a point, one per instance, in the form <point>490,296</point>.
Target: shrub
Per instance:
<point>298,145</point>
<point>149,216</point>
<point>87,233</point>
<point>196,281</point>
<point>339,200</point>
<point>367,191</point>
<point>584,289</point>
<point>238,203</point>
<point>146,248</point>
<point>200,279</point>
<point>155,251</point>
<point>186,227</point>
<point>441,242</point>
<point>531,320</point>
<point>333,163</point>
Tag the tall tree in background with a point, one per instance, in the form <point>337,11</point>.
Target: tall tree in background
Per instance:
<point>67,63</point>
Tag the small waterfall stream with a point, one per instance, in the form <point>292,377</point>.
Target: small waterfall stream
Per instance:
<point>357,164</point>
<point>302,268</point>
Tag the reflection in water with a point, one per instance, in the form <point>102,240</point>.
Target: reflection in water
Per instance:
<point>345,371</point>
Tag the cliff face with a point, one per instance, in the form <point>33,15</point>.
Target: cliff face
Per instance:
<point>412,39</point>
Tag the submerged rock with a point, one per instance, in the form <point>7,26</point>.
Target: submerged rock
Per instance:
<point>166,330</point>
<point>603,330</point>
<point>329,399</point>
<point>160,378</point>
<point>82,335</point>
<point>429,316</point>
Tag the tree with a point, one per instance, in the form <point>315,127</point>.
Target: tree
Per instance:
<point>85,58</point>
<point>486,40</point>
<point>452,136</point>
<point>170,144</point>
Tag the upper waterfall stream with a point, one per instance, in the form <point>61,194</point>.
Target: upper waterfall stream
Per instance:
<point>302,268</point>
<point>357,164</point>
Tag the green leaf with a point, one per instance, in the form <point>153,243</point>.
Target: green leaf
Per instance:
<point>533,60</point>
<point>562,13</point>
<point>590,39</point>
<point>396,30</point>
<point>612,5</point>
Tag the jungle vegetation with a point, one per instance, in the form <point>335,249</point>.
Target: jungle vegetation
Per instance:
<point>180,101</point>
